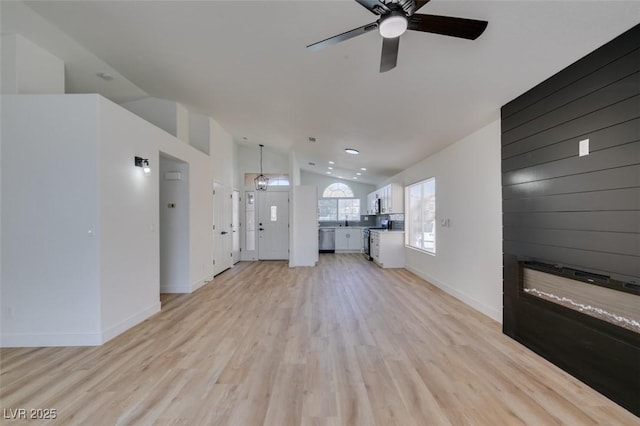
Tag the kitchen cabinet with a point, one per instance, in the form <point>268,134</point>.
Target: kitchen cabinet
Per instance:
<point>348,239</point>
<point>392,199</point>
<point>370,203</point>
<point>387,248</point>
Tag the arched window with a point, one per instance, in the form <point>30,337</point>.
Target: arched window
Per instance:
<point>337,190</point>
<point>338,203</point>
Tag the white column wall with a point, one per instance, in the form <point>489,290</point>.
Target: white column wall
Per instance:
<point>305,240</point>
<point>80,244</point>
<point>50,292</point>
<point>129,216</point>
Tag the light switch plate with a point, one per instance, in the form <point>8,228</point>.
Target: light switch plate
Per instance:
<point>583,148</point>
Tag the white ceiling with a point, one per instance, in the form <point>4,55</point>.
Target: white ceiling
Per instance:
<point>245,63</point>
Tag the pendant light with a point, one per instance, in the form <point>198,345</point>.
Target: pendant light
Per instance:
<point>261,181</point>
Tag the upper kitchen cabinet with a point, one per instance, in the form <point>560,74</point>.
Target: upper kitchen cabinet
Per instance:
<point>371,199</point>
<point>391,200</point>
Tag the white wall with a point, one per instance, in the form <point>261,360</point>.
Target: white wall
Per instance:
<point>174,119</point>
<point>161,113</point>
<point>468,263</point>
<point>272,161</point>
<point>223,158</point>
<point>360,190</point>
<point>200,132</point>
<point>80,240</point>
<point>182,123</point>
<point>304,250</point>
<point>50,221</point>
<point>29,69</point>
<point>174,227</point>
<point>129,239</point>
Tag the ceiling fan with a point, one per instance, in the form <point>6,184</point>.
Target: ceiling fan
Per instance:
<point>398,16</point>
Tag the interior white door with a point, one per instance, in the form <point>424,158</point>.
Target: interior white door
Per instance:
<point>235,226</point>
<point>221,229</point>
<point>273,225</point>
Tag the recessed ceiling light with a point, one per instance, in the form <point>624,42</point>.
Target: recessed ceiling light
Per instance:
<point>355,177</point>
<point>359,174</point>
<point>340,177</point>
<point>351,151</point>
<point>364,169</point>
<point>331,162</point>
<point>330,168</point>
<point>328,173</point>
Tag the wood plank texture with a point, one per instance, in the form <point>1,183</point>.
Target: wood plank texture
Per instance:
<point>579,211</point>
<point>344,343</point>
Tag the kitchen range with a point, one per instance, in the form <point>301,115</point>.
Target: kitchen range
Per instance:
<point>384,224</point>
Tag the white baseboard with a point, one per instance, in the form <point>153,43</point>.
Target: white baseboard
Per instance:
<point>133,320</point>
<point>175,289</point>
<point>53,339</point>
<point>483,308</point>
<point>200,283</point>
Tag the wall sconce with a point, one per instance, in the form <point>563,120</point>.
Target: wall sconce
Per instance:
<point>144,163</point>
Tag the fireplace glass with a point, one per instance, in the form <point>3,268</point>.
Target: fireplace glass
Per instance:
<point>621,308</point>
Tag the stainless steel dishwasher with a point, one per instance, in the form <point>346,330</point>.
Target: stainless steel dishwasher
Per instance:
<point>327,240</point>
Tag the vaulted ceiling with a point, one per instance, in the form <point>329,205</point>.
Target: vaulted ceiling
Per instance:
<point>245,63</point>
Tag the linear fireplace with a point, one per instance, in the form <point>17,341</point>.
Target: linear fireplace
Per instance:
<point>595,295</point>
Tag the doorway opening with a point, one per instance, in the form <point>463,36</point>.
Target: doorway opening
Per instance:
<point>173,175</point>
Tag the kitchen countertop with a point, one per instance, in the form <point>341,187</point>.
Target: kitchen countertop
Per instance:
<point>341,227</point>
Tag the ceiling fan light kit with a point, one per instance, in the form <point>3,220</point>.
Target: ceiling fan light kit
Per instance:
<point>393,26</point>
<point>397,17</point>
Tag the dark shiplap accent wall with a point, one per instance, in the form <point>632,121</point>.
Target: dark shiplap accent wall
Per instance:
<point>581,212</point>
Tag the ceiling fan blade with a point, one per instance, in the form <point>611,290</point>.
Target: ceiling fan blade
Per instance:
<point>374,6</point>
<point>447,25</point>
<point>344,36</point>
<point>389,53</point>
<point>417,5</point>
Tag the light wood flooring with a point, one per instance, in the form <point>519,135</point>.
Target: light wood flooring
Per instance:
<point>345,343</point>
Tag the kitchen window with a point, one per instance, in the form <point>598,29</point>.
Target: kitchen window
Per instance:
<point>421,215</point>
<point>338,204</point>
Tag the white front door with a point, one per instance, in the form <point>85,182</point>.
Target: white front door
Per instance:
<point>273,225</point>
